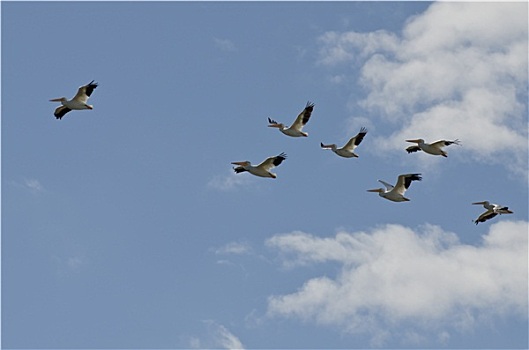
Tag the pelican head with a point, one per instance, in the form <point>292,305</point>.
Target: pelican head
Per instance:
<point>485,203</point>
<point>244,163</point>
<point>60,99</point>
<point>416,141</point>
<point>273,124</point>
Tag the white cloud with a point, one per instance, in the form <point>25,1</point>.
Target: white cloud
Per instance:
<point>459,70</point>
<point>218,337</point>
<point>224,44</point>
<point>238,248</point>
<point>399,282</point>
<point>228,182</point>
<point>32,185</point>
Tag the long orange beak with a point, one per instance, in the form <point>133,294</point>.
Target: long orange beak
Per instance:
<point>416,141</point>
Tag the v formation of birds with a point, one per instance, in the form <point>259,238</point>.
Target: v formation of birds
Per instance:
<point>394,193</point>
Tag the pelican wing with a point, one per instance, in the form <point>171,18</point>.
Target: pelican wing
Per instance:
<point>389,187</point>
<point>84,92</point>
<point>489,214</point>
<point>303,117</point>
<point>356,140</point>
<point>412,149</point>
<point>404,182</point>
<point>61,111</point>
<point>272,162</point>
<point>442,143</point>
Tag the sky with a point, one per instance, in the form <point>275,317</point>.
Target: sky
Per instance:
<point>125,226</point>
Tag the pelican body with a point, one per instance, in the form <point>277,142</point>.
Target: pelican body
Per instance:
<point>435,148</point>
<point>263,169</point>
<point>78,102</point>
<point>492,211</point>
<point>396,193</point>
<point>347,151</point>
<point>296,129</point>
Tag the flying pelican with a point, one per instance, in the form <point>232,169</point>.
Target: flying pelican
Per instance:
<point>492,211</point>
<point>295,129</point>
<point>347,151</point>
<point>263,169</point>
<point>396,194</point>
<point>431,148</point>
<point>79,101</point>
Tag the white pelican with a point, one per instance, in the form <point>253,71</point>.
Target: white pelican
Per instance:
<point>295,129</point>
<point>396,194</point>
<point>431,148</point>
<point>492,211</point>
<point>79,101</point>
<point>263,169</point>
<point>347,151</point>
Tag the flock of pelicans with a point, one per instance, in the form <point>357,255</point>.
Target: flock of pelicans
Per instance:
<point>392,193</point>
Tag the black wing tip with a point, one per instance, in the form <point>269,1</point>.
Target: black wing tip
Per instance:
<point>239,170</point>
<point>271,121</point>
<point>282,155</point>
<point>92,84</point>
<point>310,105</point>
<point>415,177</point>
<point>363,130</point>
<point>413,149</point>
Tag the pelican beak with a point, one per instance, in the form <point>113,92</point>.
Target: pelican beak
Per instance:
<point>416,141</point>
<point>55,100</point>
<point>273,125</point>
<point>478,203</point>
<point>238,163</point>
<point>374,190</point>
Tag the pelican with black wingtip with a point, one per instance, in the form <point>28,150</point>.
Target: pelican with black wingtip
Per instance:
<point>263,169</point>
<point>435,148</point>
<point>347,151</point>
<point>78,102</point>
<point>492,211</point>
<point>295,130</point>
<point>396,193</point>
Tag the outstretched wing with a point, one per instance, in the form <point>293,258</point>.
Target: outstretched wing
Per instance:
<point>412,149</point>
<point>442,143</point>
<point>489,214</point>
<point>84,92</point>
<point>404,182</point>
<point>303,117</point>
<point>272,162</point>
<point>61,111</point>
<point>389,187</point>
<point>355,141</point>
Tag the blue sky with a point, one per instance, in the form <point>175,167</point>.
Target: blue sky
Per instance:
<point>126,227</point>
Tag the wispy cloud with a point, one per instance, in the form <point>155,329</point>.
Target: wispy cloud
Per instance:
<point>237,248</point>
<point>397,282</point>
<point>217,337</point>
<point>228,182</point>
<point>29,184</point>
<point>446,77</point>
<point>224,44</point>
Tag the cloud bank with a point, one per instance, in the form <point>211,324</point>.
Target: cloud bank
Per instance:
<point>397,282</point>
<point>458,70</point>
